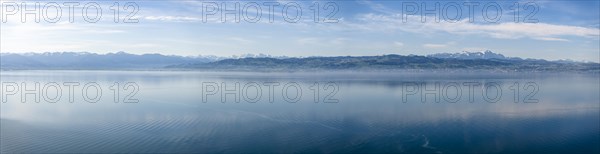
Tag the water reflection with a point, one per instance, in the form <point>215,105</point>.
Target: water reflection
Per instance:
<point>370,116</point>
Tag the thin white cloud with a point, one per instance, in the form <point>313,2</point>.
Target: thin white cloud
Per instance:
<point>339,41</point>
<point>539,31</point>
<point>241,40</point>
<point>399,44</point>
<point>307,41</point>
<point>551,39</point>
<point>434,46</point>
<point>173,18</point>
<point>438,46</point>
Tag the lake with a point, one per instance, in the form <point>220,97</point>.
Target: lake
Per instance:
<point>332,112</point>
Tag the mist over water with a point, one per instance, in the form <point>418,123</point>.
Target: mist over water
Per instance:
<point>355,112</point>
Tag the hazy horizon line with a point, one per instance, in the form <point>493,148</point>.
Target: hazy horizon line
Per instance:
<point>264,55</point>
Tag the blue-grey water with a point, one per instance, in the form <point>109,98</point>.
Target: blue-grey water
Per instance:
<point>353,113</point>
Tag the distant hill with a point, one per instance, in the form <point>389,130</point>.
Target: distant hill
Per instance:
<point>85,60</point>
<point>391,62</point>
<point>471,55</point>
<point>467,61</point>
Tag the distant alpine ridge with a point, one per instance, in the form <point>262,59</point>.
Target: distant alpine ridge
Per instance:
<point>86,60</point>
<point>471,55</point>
<point>486,60</point>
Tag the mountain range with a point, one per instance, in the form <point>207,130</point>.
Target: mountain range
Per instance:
<point>486,60</point>
<point>86,60</point>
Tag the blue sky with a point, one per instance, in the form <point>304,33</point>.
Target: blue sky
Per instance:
<point>556,30</point>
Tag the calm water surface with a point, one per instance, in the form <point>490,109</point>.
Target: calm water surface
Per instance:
<point>355,112</point>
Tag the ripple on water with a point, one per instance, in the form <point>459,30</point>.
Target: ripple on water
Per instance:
<point>245,131</point>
